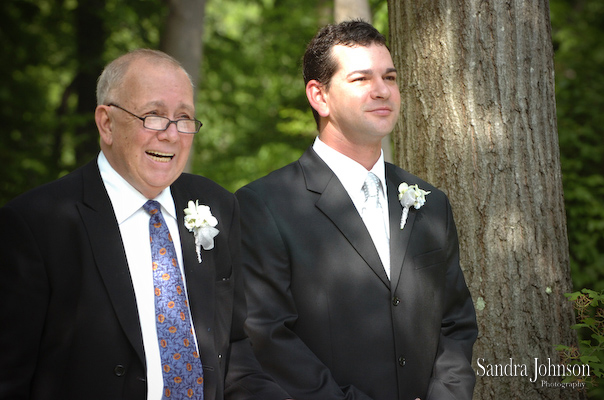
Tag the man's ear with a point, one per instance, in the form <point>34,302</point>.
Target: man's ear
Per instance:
<point>317,97</point>
<point>104,124</point>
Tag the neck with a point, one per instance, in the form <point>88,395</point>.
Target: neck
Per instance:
<point>366,154</point>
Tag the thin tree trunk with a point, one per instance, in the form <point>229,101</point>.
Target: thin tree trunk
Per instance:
<point>478,120</point>
<point>91,37</point>
<point>183,33</point>
<point>351,9</point>
<point>182,39</point>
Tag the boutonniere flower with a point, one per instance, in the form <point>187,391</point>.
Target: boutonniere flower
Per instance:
<point>200,221</point>
<point>410,196</point>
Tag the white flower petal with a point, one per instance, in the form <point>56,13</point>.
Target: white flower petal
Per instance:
<point>199,220</point>
<point>410,196</point>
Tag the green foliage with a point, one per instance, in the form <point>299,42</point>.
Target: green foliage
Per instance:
<point>251,98</point>
<point>132,24</point>
<point>30,88</point>
<point>577,33</point>
<point>47,131</point>
<point>588,305</point>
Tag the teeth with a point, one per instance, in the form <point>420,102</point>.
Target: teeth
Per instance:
<point>157,156</point>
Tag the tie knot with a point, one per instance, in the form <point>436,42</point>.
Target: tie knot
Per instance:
<point>152,207</point>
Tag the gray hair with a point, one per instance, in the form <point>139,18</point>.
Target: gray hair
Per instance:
<point>113,75</point>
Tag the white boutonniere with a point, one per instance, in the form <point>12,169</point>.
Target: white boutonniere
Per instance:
<point>410,196</point>
<point>200,221</point>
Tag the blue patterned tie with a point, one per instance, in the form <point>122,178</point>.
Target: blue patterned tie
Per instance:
<point>181,365</point>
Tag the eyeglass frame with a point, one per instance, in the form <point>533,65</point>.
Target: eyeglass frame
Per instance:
<point>175,122</point>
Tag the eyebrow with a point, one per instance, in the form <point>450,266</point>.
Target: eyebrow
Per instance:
<point>369,71</point>
<point>159,103</point>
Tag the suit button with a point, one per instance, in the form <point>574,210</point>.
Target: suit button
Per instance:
<point>119,370</point>
<point>402,361</point>
<point>396,301</point>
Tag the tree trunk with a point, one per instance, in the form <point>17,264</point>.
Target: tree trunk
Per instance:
<point>351,9</point>
<point>354,9</point>
<point>91,37</point>
<point>183,33</point>
<point>478,120</point>
<point>182,39</point>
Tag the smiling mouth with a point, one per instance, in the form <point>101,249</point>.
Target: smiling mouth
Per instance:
<point>161,157</point>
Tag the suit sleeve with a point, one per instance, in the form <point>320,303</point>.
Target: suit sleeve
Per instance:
<point>244,379</point>
<point>24,297</point>
<point>453,377</point>
<point>272,309</point>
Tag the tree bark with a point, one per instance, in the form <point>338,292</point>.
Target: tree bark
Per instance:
<point>183,33</point>
<point>351,9</point>
<point>478,120</point>
<point>182,39</point>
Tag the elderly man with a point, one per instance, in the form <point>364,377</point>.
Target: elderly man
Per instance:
<point>122,279</point>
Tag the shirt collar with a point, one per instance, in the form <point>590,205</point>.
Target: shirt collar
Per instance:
<point>126,200</point>
<point>350,173</point>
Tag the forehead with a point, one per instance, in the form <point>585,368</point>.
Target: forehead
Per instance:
<point>159,82</point>
<point>352,58</point>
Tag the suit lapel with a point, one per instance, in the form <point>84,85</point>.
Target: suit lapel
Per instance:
<point>399,238</point>
<point>336,204</point>
<point>199,276</point>
<point>108,251</point>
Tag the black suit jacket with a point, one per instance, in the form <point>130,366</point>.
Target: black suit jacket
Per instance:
<point>324,319</point>
<point>70,327</point>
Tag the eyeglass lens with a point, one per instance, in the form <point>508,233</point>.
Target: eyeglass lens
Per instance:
<point>161,123</point>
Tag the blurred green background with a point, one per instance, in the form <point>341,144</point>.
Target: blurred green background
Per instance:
<point>251,95</point>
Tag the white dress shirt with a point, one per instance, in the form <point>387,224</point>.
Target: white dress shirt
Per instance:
<point>352,176</point>
<point>133,222</point>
